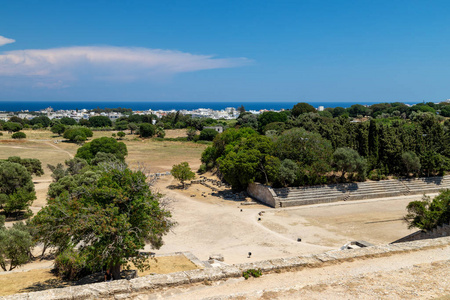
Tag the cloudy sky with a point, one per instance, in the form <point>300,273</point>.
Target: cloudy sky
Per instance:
<point>225,50</point>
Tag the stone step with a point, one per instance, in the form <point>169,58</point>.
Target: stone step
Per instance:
<point>311,193</point>
<point>363,196</point>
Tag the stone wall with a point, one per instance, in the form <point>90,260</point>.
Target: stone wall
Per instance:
<point>263,194</point>
<point>437,232</point>
<point>125,289</point>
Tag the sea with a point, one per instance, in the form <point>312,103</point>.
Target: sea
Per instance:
<point>161,105</point>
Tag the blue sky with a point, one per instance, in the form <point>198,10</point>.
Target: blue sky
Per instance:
<point>308,51</point>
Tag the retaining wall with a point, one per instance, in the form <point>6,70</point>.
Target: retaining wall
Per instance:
<point>124,289</point>
<point>263,194</point>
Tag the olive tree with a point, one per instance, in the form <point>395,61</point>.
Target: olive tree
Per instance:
<point>182,172</point>
<point>111,219</point>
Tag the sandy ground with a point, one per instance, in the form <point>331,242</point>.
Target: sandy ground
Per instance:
<point>225,229</point>
<point>413,275</point>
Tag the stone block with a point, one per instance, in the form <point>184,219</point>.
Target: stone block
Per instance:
<point>325,257</point>
<point>119,286</point>
<point>196,275</point>
<point>231,271</point>
<point>21,296</point>
<point>141,284</point>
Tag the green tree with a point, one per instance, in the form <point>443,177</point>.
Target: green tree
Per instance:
<point>182,172</point>
<point>68,121</point>
<point>347,160</point>
<point>208,134</point>
<point>12,126</point>
<point>58,129</point>
<point>100,121</point>
<point>287,172</point>
<point>19,135</point>
<point>411,162</point>
<point>191,133</point>
<point>15,246</point>
<point>105,145</point>
<point>110,221</point>
<point>77,134</point>
<point>43,120</point>
<point>427,214</point>
<point>16,188</point>
<point>33,165</point>
<point>132,127</point>
<point>301,108</point>
<point>147,130</point>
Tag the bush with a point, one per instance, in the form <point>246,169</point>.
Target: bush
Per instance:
<point>19,135</point>
<point>251,272</point>
<point>70,265</point>
<point>121,134</point>
<point>202,169</point>
<point>105,145</point>
<point>146,130</point>
<point>208,134</point>
<point>77,134</point>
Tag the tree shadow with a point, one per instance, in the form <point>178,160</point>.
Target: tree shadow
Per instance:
<point>54,283</point>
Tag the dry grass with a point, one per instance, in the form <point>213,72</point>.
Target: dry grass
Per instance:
<point>41,279</point>
<point>21,282</point>
<point>168,264</point>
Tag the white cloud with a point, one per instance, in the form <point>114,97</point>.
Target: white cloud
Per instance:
<point>106,63</point>
<point>4,41</point>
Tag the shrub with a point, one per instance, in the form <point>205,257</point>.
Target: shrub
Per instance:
<point>19,135</point>
<point>77,134</point>
<point>146,130</point>
<point>121,134</point>
<point>251,272</point>
<point>208,134</point>
<point>70,265</point>
<point>103,144</point>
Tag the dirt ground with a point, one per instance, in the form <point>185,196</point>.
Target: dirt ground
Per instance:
<point>226,229</point>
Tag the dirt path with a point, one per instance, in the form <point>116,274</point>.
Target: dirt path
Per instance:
<point>62,150</point>
<point>414,275</point>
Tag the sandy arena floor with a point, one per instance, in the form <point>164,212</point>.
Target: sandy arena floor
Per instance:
<point>209,225</point>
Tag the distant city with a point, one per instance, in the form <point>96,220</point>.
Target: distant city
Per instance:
<point>227,113</point>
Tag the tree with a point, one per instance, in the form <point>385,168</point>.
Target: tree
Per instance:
<point>12,126</point>
<point>191,133</point>
<point>43,120</point>
<point>160,132</point>
<point>301,108</point>
<point>16,188</point>
<point>208,134</point>
<point>110,221</point>
<point>182,172</point>
<point>146,130</point>
<point>77,134</point>
<point>132,127</point>
<point>15,245</point>
<point>347,160</point>
<point>426,214</point>
<point>100,121</point>
<point>105,145</point>
<point>33,165</point>
<point>58,129</point>
<point>19,135</point>
<point>411,162</point>
<point>287,172</point>
<point>68,121</point>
